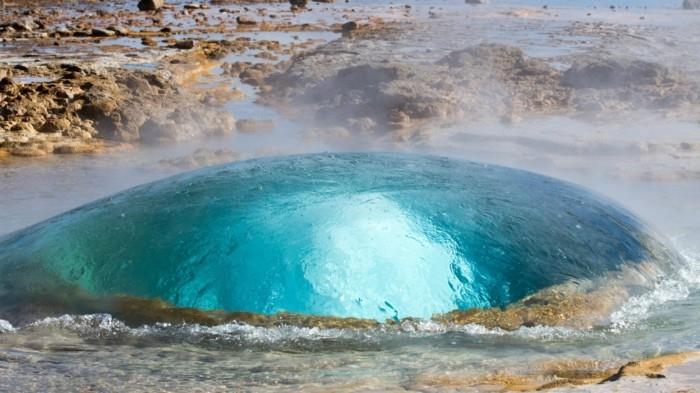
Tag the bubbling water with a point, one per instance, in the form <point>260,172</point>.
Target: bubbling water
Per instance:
<point>379,236</point>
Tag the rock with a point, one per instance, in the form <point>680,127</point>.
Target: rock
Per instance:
<point>185,44</point>
<point>88,104</point>
<point>155,131</point>
<point>99,103</point>
<point>70,67</point>
<point>6,83</point>
<point>63,32</point>
<point>150,5</point>
<point>10,90</point>
<point>235,69</point>
<point>691,4</point>
<point>201,157</point>
<point>25,25</point>
<point>73,147</point>
<point>252,76</point>
<point>148,41</point>
<point>56,124</point>
<point>614,73</point>
<point>484,81</point>
<point>31,150</point>
<point>192,6</point>
<point>245,20</point>
<point>119,30</point>
<point>299,3</point>
<point>252,125</point>
<point>399,119</point>
<point>349,26</point>
<point>102,33</point>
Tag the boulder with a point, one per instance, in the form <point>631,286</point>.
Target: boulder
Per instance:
<point>6,82</point>
<point>614,73</point>
<point>148,41</point>
<point>102,33</point>
<point>63,32</point>
<point>119,30</point>
<point>185,44</point>
<point>56,124</point>
<point>252,76</point>
<point>349,26</point>
<point>24,25</point>
<point>299,3</point>
<point>150,5</point>
<point>252,125</point>
<point>156,130</point>
<point>246,20</point>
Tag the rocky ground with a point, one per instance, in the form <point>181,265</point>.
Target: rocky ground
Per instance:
<point>80,110</point>
<point>345,84</point>
<point>78,77</point>
<point>170,73</point>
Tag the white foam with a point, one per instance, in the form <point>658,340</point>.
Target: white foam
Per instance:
<point>248,333</point>
<point>90,323</point>
<point>678,287</point>
<point>106,325</point>
<point>546,333</point>
<point>6,327</point>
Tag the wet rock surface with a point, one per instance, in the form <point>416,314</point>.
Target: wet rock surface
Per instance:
<point>80,108</point>
<point>565,375</point>
<point>57,106</point>
<point>150,5</point>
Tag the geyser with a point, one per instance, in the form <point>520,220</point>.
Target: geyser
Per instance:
<point>364,235</point>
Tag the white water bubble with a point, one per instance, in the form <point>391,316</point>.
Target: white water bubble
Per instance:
<point>670,289</point>
<point>6,327</point>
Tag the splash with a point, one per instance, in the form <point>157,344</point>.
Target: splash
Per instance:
<point>669,289</point>
<point>378,236</point>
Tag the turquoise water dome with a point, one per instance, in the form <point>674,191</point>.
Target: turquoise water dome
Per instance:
<point>364,235</point>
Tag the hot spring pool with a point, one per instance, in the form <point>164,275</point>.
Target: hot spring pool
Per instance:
<point>375,236</point>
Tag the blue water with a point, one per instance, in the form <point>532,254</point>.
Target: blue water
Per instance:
<point>364,235</point>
